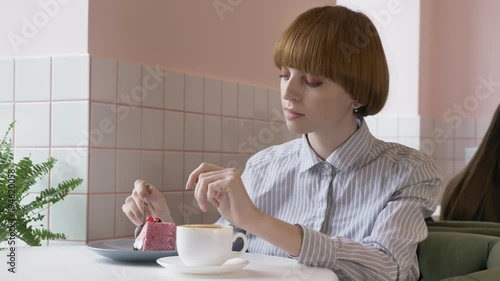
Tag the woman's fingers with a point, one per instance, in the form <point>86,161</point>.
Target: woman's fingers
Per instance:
<point>205,176</point>
<point>204,181</point>
<point>199,192</point>
<point>143,190</point>
<point>132,211</point>
<point>139,202</point>
<point>203,168</point>
<point>214,190</point>
<point>158,205</point>
<point>133,203</point>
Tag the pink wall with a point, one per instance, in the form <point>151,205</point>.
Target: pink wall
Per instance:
<point>459,49</point>
<point>191,37</point>
<point>39,28</point>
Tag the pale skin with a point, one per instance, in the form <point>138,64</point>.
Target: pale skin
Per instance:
<point>315,106</point>
<point>156,204</point>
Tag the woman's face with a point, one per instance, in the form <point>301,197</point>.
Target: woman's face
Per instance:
<point>313,104</point>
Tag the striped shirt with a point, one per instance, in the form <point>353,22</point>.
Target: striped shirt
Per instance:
<point>362,210</point>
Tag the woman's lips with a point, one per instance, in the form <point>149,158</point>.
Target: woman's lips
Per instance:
<point>292,115</point>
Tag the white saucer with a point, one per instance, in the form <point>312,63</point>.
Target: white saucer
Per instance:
<point>175,264</point>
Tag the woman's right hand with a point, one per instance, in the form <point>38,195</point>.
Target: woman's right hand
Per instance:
<point>156,203</point>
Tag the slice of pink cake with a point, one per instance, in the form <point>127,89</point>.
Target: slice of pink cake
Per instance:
<point>156,236</point>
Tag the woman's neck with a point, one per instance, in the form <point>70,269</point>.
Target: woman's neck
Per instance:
<point>324,143</point>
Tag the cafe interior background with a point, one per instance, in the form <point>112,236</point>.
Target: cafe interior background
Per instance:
<point>118,90</point>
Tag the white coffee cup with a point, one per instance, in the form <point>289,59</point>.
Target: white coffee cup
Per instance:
<point>207,244</point>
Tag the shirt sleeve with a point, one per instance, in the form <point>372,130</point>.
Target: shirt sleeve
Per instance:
<point>389,252</point>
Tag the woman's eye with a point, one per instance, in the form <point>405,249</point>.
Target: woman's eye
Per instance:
<point>312,81</point>
<point>284,77</point>
<point>313,84</point>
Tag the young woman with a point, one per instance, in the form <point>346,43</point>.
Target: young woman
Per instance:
<point>337,197</point>
<point>474,193</point>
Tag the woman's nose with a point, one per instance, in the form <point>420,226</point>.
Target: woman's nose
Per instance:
<point>290,89</point>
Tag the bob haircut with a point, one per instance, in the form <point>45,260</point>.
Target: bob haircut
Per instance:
<point>342,45</point>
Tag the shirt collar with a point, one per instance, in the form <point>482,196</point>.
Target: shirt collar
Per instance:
<point>344,156</point>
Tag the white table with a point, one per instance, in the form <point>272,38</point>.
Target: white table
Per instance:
<point>75,263</point>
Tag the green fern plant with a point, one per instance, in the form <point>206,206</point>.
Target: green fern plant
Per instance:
<point>16,217</point>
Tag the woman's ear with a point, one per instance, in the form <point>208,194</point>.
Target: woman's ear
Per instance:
<point>356,106</point>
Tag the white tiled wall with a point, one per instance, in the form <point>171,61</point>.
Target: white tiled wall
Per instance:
<point>32,124</point>
<point>193,93</point>
<point>193,132</point>
<point>129,87</point>
<point>101,216</point>
<point>128,169</point>
<point>229,140</point>
<point>173,171</point>
<point>212,96</point>
<point>446,141</point>
<point>6,80</point>
<point>7,116</point>
<point>245,101</point>
<point>129,127</point>
<point>70,123</point>
<point>400,129</point>
<point>152,129</point>
<point>69,216</point>
<point>152,167</point>
<point>212,133</point>
<point>174,91</point>
<point>102,174</point>
<point>103,124</point>
<point>229,98</point>
<point>103,76</point>
<point>70,78</point>
<point>260,104</point>
<point>153,84</point>
<point>32,79</point>
<point>173,130</point>
<point>48,99</point>
<point>71,163</point>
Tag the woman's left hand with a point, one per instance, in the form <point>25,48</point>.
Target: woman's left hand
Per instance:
<point>223,188</point>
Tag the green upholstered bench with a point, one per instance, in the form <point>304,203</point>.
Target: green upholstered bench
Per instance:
<point>490,274</point>
<point>460,255</point>
<point>477,227</point>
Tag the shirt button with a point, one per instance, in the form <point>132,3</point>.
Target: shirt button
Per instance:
<point>314,264</point>
<point>327,166</point>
